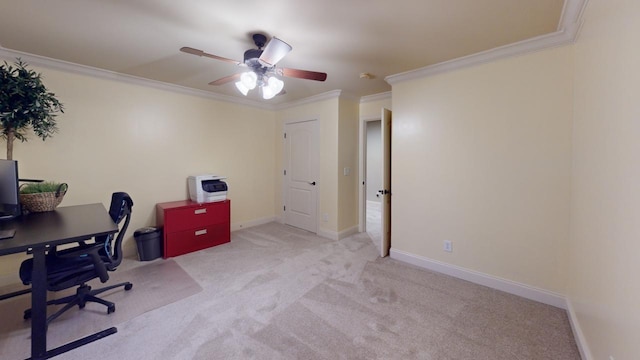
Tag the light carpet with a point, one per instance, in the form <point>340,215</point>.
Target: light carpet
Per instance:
<point>276,292</point>
<point>155,285</point>
<point>374,222</point>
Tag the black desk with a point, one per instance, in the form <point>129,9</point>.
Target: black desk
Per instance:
<point>39,231</point>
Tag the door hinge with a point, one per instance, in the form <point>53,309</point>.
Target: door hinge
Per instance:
<point>285,171</point>
<point>285,135</point>
<point>284,208</point>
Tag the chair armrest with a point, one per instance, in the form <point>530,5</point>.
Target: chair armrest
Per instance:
<point>92,252</point>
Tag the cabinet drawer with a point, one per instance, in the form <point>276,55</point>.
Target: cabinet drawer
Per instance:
<point>180,219</point>
<point>183,242</point>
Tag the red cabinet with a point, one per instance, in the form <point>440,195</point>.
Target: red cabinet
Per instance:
<point>190,226</point>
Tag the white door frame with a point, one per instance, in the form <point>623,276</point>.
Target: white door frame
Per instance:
<point>385,195</point>
<point>317,170</point>
<point>362,181</point>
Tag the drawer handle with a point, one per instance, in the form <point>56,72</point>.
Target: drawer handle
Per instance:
<point>200,211</point>
<point>201,232</point>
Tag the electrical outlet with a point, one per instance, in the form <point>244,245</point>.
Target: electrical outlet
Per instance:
<point>346,171</point>
<point>448,246</point>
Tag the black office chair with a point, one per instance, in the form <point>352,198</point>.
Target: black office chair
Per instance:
<point>77,265</point>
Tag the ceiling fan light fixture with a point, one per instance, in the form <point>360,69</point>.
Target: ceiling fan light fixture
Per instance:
<point>267,93</point>
<point>262,65</point>
<point>249,79</point>
<point>242,88</point>
<point>276,84</point>
<point>272,88</point>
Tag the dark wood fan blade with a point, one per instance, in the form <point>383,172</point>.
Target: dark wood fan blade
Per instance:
<point>197,52</point>
<point>226,79</point>
<point>304,74</point>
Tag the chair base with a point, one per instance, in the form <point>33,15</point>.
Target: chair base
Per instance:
<point>83,295</point>
<point>14,294</point>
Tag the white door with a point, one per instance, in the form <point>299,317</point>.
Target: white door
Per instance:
<point>302,154</point>
<point>385,192</point>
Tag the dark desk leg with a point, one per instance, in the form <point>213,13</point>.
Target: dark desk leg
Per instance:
<point>39,305</point>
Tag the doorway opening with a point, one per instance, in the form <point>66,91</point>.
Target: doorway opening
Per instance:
<point>375,180</point>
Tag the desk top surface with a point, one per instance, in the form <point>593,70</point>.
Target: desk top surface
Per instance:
<point>63,225</point>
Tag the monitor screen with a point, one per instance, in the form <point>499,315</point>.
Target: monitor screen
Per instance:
<point>9,199</point>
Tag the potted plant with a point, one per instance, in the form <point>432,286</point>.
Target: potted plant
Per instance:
<point>42,196</point>
<point>25,103</point>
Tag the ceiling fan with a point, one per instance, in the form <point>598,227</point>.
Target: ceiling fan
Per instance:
<point>262,67</point>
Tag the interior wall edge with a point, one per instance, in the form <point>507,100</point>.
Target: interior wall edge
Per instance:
<point>578,334</point>
<point>251,223</point>
<point>338,235</point>
<point>509,286</point>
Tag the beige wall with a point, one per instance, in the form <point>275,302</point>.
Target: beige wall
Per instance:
<point>372,109</point>
<point>326,112</point>
<point>482,157</point>
<point>338,194</point>
<point>348,158</point>
<point>116,136</point>
<point>603,286</point>
<point>528,164</point>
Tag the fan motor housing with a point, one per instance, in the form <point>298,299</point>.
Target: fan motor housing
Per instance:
<point>251,54</point>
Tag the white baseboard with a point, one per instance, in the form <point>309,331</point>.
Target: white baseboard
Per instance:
<point>578,335</point>
<point>250,223</point>
<point>334,235</point>
<point>509,286</point>
<point>348,232</point>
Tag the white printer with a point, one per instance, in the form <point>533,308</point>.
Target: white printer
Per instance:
<point>207,188</point>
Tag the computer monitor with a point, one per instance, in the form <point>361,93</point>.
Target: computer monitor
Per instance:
<point>9,199</point>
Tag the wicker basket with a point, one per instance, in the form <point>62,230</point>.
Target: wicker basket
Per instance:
<point>46,201</point>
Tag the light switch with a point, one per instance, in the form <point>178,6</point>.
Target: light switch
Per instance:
<point>347,171</point>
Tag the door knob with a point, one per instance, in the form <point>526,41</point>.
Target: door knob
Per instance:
<point>383,192</point>
<point>312,183</point>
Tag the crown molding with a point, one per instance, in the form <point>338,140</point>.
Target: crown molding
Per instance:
<point>376,97</point>
<point>70,67</point>
<point>571,13</point>
<point>569,26</point>
<point>568,29</point>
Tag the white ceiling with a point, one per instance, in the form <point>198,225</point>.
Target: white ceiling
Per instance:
<point>340,37</point>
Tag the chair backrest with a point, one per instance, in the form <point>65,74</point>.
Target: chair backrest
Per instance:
<point>120,209</point>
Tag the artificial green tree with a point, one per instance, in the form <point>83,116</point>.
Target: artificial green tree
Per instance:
<point>25,103</point>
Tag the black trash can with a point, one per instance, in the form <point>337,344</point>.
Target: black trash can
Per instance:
<point>149,241</point>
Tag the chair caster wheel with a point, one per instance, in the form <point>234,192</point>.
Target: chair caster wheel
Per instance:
<point>27,314</point>
<point>128,287</point>
<point>111,308</point>
<point>81,306</point>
